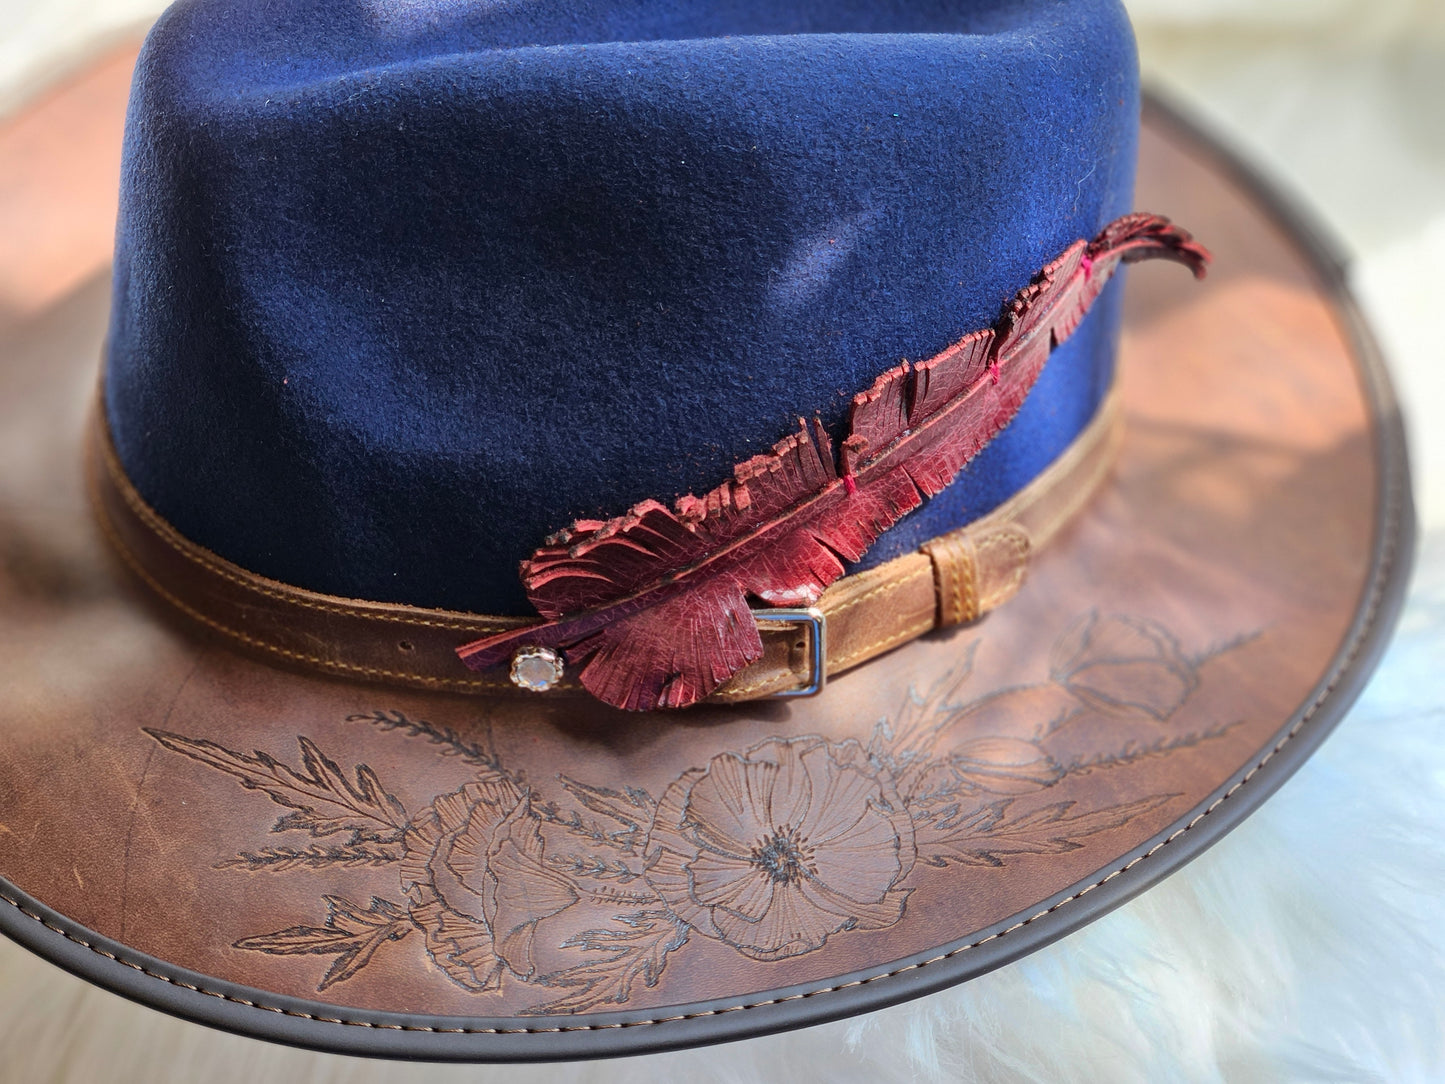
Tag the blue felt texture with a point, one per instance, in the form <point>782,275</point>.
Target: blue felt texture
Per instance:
<point>401,287</point>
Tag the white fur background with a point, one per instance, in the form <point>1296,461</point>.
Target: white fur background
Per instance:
<point>1309,945</point>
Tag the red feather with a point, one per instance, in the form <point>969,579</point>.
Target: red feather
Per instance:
<point>656,601</point>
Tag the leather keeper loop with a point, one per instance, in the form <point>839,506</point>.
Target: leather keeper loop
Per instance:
<point>977,571</point>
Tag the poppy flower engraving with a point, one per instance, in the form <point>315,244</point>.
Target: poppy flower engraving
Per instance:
<point>1123,664</point>
<point>776,850</point>
<point>563,896</point>
<point>475,873</point>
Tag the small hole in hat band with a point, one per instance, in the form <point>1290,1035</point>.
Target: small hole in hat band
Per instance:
<point>406,645</point>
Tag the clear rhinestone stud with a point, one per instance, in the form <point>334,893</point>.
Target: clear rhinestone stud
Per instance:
<point>536,669</point>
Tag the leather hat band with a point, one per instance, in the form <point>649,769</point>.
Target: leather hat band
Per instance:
<point>952,579</point>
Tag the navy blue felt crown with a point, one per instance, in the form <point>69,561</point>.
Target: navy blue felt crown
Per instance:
<point>401,289</point>
<point>413,298</point>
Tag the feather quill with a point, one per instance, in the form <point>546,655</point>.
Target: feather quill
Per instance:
<point>655,601</point>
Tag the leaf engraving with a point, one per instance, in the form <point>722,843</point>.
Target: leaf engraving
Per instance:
<point>630,807</point>
<point>449,742</point>
<point>350,934</point>
<point>597,868</point>
<point>985,836</point>
<point>635,953</point>
<point>322,799</point>
<point>284,859</point>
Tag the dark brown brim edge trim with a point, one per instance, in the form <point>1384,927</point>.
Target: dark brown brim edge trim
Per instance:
<point>319,1026</point>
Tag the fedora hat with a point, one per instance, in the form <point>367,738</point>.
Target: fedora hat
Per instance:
<point>436,301</point>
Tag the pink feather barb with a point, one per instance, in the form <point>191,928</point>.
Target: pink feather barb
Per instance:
<point>655,602</point>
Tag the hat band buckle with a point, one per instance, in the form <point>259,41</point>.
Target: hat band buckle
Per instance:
<point>816,622</point>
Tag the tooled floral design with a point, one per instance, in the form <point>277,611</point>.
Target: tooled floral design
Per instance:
<point>774,851</point>
<point>1002,765</point>
<point>1123,664</point>
<point>475,873</point>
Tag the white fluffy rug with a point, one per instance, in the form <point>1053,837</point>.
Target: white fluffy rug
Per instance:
<point>1307,946</point>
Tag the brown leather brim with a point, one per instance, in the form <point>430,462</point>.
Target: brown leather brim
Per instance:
<point>373,871</point>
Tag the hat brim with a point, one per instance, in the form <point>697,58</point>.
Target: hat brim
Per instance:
<point>374,871</point>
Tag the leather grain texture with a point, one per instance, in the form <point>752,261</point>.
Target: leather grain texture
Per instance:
<point>427,875</point>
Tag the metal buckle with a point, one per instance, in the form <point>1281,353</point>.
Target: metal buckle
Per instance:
<point>817,623</point>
